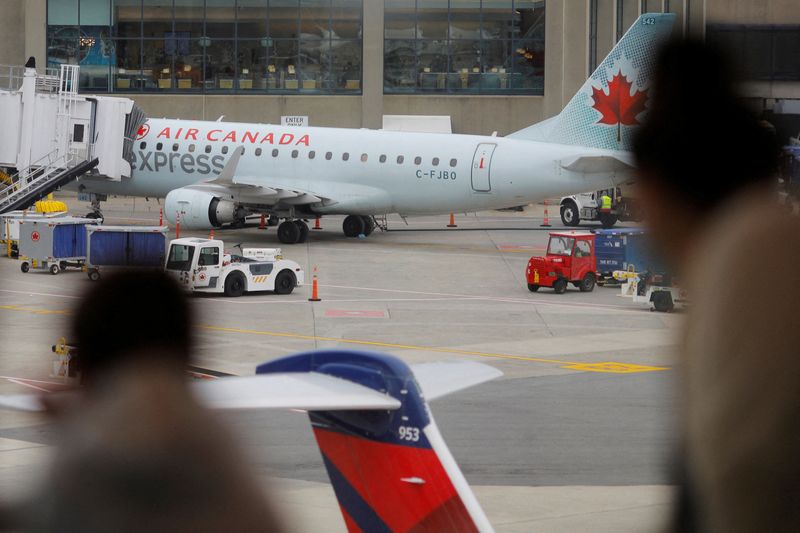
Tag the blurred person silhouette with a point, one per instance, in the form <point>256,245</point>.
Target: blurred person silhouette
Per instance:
<point>707,179</point>
<point>136,452</point>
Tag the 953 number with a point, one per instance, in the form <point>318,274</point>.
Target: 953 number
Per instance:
<point>408,433</point>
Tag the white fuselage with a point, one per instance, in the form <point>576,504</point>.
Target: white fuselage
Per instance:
<point>361,171</point>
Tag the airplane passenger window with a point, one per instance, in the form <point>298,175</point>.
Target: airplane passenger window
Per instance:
<point>175,147</point>
<point>364,158</point>
<point>224,149</point>
<point>275,152</point>
<point>399,159</point>
<point>453,162</point>
<point>435,161</point>
<point>191,148</point>
<point>328,155</point>
<point>258,152</point>
<point>159,146</point>
<point>382,158</point>
<point>208,148</point>
<point>418,160</point>
<point>142,146</point>
<point>294,154</point>
<point>312,154</point>
<point>345,156</point>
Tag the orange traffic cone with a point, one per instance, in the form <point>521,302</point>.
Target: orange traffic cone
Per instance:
<point>316,224</point>
<point>263,223</point>
<point>452,223</point>
<point>546,222</point>
<point>211,235</point>
<point>314,288</point>
<point>161,217</point>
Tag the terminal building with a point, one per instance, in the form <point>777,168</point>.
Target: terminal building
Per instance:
<point>490,65</point>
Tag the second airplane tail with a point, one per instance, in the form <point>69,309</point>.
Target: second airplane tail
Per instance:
<point>390,469</point>
<point>605,111</point>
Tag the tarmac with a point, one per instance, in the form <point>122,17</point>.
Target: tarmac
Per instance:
<point>576,436</point>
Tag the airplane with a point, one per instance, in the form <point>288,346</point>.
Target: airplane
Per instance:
<point>389,465</point>
<point>216,173</point>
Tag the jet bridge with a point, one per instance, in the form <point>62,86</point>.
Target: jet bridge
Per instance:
<point>52,135</point>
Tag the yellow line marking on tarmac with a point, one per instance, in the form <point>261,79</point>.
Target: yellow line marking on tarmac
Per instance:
<point>611,367</point>
<point>607,367</point>
<point>36,311</point>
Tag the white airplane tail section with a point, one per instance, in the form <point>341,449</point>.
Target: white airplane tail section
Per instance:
<point>604,113</point>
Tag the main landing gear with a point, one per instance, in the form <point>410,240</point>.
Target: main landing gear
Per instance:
<point>292,232</point>
<point>355,225</point>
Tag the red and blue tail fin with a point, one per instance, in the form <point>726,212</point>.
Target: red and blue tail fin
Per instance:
<point>391,469</point>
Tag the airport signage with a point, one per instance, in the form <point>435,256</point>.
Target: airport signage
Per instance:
<point>294,120</point>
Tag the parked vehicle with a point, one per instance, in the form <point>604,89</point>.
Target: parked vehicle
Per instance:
<point>52,244</point>
<point>586,207</point>
<point>570,259</point>
<point>202,265</point>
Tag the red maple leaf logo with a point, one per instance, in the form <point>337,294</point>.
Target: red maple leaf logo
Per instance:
<point>144,129</point>
<point>619,106</point>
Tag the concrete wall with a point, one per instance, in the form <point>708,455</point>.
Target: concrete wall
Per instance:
<point>753,12</point>
<point>338,111</point>
<point>12,45</point>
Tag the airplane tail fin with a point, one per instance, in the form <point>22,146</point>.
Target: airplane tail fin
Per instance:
<point>390,469</point>
<point>606,110</point>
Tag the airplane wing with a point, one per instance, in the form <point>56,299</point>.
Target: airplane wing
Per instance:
<point>248,189</point>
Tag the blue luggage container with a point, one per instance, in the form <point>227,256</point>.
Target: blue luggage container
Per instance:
<point>126,247</point>
<point>624,249</point>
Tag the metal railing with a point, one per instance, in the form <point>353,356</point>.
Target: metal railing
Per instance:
<point>39,172</point>
<point>11,77</point>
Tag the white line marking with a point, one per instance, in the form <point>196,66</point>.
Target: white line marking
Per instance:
<point>42,294</point>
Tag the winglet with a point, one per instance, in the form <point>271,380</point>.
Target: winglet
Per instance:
<point>229,170</point>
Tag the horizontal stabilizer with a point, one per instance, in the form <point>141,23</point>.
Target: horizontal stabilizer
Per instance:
<point>443,378</point>
<point>597,164</point>
<point>309,391</point>
<point>22,402</point>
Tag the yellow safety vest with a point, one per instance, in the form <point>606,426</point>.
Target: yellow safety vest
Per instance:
<point>606,202</point>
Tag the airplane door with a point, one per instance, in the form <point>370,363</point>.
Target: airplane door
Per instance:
<point>481,166</point>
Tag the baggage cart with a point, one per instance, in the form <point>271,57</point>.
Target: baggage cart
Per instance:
<point>124,247</point>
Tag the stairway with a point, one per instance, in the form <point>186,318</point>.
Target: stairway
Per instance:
<point>38,181</point>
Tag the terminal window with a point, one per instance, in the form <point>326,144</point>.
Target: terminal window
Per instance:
<point>761,52</point>
<point>208,46</point>
<point>464,46</point>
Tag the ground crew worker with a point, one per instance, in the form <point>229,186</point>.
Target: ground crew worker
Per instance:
<point>605,203</point>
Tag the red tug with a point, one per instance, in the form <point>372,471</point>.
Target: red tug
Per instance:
<point>570,259</point>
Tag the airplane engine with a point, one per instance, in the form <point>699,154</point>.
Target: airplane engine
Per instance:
<point>200,209</point>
